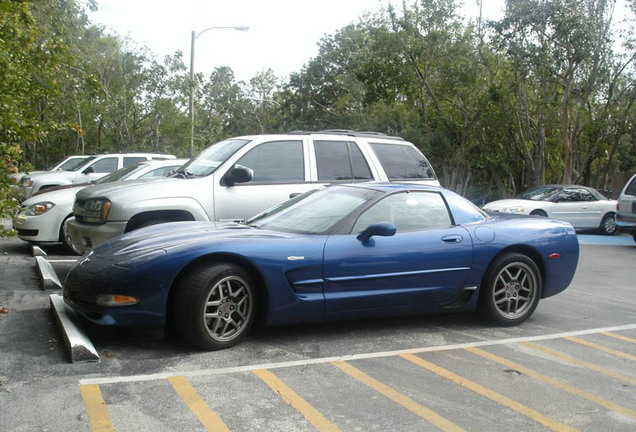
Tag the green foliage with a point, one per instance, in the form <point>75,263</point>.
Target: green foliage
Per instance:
<point>544,94</point>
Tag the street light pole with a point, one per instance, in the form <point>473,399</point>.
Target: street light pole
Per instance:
<point>194,36</point>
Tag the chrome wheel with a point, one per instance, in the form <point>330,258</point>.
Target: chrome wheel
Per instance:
<point>214,305</point>
<point>515,289</point>
<point>608,224</point>
<point>511,289</point>
<point>227,308</point>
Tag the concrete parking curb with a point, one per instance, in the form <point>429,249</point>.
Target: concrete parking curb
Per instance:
<point>48,277</point>
<point>78,344</point>
<point>37,251</point>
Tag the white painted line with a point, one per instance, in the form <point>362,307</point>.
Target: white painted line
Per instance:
<point>62,260</point>
<point>209,372</point>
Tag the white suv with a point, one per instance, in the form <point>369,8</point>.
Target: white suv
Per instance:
<point>85,171</point>
<point>626,209</point>
<point>240,177</point>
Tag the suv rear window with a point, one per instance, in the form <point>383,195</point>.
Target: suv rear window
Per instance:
<point>340,160</point>
<point>402,162</point>
<point>631,189</point>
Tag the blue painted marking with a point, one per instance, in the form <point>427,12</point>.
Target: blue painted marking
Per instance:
<point>616,240</point>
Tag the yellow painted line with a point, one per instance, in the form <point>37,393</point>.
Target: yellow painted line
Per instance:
<point>554,382</point>
<point>601,348</point>
<point>319,421</point>
<point>199,408</point>
<point>408,403</point>
<point>98,417</point>
<point>618,336</point>
<point>494,396</point>
<point>596,368</point>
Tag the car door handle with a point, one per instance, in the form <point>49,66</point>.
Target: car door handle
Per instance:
<point>452,238</point>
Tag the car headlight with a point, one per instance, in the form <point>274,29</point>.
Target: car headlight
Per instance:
<point>514,209</point>
<point>93,211</point>
<point>39,208</point>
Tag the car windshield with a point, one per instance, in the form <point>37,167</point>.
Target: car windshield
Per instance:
<point>77,164</point>
<point>121,173</point>
<point>318,212</point>
<point>539,193</point>
<point>211,158</point>
<point>71,163</point>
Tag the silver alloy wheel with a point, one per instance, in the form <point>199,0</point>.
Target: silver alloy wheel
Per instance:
<point>227,308</point>
<point>515,290</point>
<point>609,224</point>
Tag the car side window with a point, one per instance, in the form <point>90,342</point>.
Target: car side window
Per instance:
<point>105,165</point>
<point>408,211</point>
<point>575,195</point>
<point>275,162</point>
<point>158,172</point>
<point>133,159</point>
<point>402,162</point>
<point>340,160</point>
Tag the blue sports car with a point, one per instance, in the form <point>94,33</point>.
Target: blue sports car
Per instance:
<point>348,251</point>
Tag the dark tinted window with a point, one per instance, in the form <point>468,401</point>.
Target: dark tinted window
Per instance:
<point>631,189</point>
<point>340,160</point>
<point>105,165</point>
<point>135,159</point>
<point>402,162</point>
<point>276,162</point>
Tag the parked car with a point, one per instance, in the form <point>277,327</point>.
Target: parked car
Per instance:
<point>239,177</point>
<point>65,164</point>
<point>345,252</point>
<point>90,169</point>
<point>626,210</point>
<point>584,207</point>
<point>41,218</point>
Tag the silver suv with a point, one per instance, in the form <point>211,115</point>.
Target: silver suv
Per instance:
<point>626,209</point>
<point>240,177</point>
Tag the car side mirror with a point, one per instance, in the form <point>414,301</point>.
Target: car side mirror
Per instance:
<point>89,170</point>
<point>238,174</point>
<point>384,229</point>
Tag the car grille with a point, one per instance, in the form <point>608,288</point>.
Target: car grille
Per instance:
<point>28,232</point>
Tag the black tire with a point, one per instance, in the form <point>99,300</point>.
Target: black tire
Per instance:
<point>634,237</point>
<point>510,290</point>
<point>608,224</point>
<point>541,213</point>
<point>224,323</point>
<point>64,239</point>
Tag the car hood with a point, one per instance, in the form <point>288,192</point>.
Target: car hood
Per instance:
<point>157,240</point>
<point>56,196</point>
<point>142,187</point>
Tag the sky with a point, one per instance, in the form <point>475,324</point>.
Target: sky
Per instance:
<point>283,35</point>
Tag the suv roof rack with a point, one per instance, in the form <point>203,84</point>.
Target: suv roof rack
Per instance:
<point>348,132</point>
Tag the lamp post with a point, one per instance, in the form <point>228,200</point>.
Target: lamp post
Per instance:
<point>195,35</point>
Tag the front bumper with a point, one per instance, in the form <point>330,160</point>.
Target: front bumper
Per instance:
<point>83,237</point>
<point>626,224</point>
<point>44,228</point>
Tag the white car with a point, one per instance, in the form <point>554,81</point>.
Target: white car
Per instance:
<point>584,207</point>
<point>88,170</point>
<point>626,215</point>
<point>41,218</point>
<point>65,164</point>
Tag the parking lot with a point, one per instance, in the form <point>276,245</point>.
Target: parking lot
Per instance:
<point>570,367</point>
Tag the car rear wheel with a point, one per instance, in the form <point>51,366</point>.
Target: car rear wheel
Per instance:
<point>511,289</point>
<point>608,224</point>
<point>215,305</point>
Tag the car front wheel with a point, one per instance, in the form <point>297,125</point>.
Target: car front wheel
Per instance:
<point>215,305</point>
<point>511,289</point>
